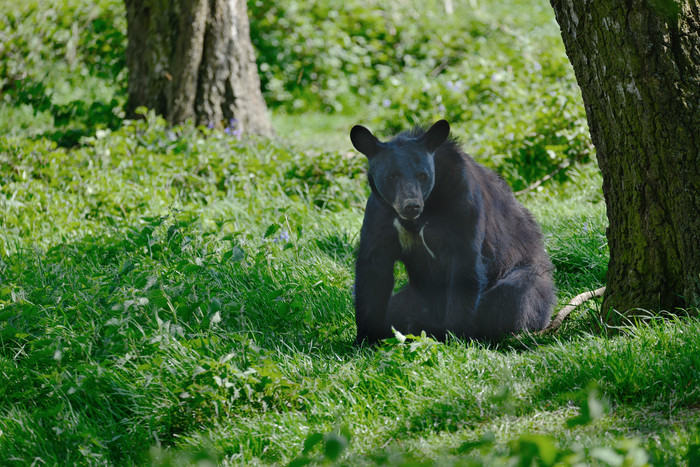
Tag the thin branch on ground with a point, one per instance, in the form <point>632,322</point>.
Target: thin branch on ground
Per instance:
<point>573,304</point>
<point>539,182</point>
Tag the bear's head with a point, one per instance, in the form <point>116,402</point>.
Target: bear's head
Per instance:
<point>402,171</point>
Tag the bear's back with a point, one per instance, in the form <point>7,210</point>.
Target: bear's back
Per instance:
<point>511,236</point>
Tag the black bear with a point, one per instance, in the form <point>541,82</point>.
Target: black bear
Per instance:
<point>475,258</point>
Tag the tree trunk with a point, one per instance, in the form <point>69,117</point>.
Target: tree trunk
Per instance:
<point>637,63</point>
<point>193,59</point>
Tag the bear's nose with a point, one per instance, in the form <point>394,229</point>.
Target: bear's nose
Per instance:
<point>411,210</point>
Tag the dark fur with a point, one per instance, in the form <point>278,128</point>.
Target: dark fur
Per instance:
<point>478,269</point>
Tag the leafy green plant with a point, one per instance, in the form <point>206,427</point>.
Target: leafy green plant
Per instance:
<point>320,448</point>
<point>407,349</point>
<point>66,59</point>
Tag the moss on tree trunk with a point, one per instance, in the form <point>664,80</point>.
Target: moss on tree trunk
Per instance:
<point>638,66</point>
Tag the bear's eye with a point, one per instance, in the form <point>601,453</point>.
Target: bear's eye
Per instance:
<point>423,177</point>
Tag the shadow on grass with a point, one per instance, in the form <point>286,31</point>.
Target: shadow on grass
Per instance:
<point>153,309</point>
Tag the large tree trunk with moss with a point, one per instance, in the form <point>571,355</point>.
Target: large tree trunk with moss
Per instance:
<point>637,63</point>
<point>193,59</point>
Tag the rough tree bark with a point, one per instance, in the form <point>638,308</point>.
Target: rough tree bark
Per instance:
<point>637,63</point>
<point>193,59</point>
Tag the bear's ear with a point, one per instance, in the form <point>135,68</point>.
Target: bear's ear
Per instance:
<point>364,141</point>
<point>436,135</point>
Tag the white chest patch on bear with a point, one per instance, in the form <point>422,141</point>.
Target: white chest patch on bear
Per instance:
<point>409,240</point>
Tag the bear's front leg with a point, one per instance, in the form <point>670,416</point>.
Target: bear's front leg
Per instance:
<point>374,273</point>
<point>374,282</point>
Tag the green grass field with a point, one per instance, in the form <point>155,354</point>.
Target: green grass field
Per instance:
<point>176,296</point>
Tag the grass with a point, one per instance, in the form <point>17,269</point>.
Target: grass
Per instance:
<point>176,296</point>
<point>169,296</point>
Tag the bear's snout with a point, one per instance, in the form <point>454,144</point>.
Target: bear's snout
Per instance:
<point>410,209</point>
<point>408,202</point>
